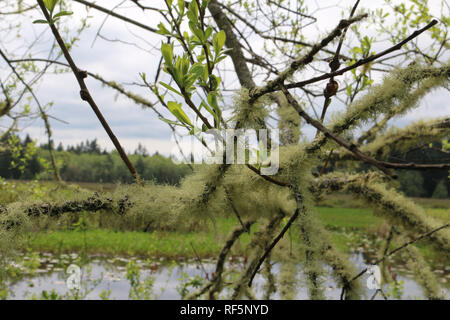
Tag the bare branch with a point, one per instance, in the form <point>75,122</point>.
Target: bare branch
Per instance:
<point>85,94</point>
<point>116,15</point>
<point>274,85</point>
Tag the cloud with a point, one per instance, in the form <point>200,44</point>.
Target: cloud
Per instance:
<point>123,63</point>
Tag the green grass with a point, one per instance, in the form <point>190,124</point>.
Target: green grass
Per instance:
<point>348,218</point>
<point>175,244</point>
<point>340,213</point>
<point>207,243</point>
<point>156,244</point>
<point>349,201</point>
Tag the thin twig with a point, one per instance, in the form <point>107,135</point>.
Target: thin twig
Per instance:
<point>199,261</point>
<point>360,62</point>
<point>43,116</point>
<point>227,194</point>
<point>402,247</point>
<point>85,94</point>
<point>275,84</point>
<point>272,245</point>
<point>116,15</point>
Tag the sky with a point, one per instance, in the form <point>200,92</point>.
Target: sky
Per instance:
<point>124,62</point>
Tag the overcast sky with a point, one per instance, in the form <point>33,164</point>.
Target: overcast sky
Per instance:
<point>123,63</point>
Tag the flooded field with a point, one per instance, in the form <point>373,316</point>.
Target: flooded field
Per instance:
<point>45,277</point>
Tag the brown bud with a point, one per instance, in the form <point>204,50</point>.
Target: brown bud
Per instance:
<point>84,94</point>
<point>334,65</point>
<point>83,74</point>
<point>331,89</point>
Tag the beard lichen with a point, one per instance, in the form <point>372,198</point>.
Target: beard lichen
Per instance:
<point>422,273</point>
<point>288,278</point>
<point>210,190</point>
<point>247,114</point>
<point>394,89</point>
<point>289,123</point>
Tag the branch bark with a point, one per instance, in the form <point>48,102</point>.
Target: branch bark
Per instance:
<point>237,56</point>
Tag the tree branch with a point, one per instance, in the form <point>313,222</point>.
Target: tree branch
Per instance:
<point>237,56</point>
<point>274,85</point>
<point>272,245</point>
<point>402,247</point>
<point>85,94</point>
<point>362,61</point>
<point>116,15</point>
<point>338,139</point>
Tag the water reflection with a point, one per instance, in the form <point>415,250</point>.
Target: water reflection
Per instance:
<point>104,274</point>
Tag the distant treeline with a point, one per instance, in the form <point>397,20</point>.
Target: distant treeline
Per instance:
<point>85,162</point>
<point>428,183</point>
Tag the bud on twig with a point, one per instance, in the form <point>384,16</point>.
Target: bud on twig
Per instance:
<point>331,89</point>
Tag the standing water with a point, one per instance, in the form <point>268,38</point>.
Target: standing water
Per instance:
<point>122,278</point>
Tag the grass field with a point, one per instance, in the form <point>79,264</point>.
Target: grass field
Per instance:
<point>340,213</point>
<point>206,243</point>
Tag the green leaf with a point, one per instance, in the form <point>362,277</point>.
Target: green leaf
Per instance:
<point>189,82</point>
<point>50,5</point>
<point>40,21</point>
<point>170,88</point>
<point>185,64</point>
<point>221,37</point>
<point>214,82</point>
<point>204,4</point>
<point>197,69</point>
<point>162,29</point>
<point>172,122</point>
<point>219,41</point>
<point>208,32</point>
<point>193,11</point>
<point>167,53</point>
<point>204,105</point>
<point>181,6</point>
<point>62,13</point>
<point>191,16</point>
<point>212,100</point>
<point>198,33</point>
<point>176,110</point>
<point>177,73</point>
<point>220,58</point>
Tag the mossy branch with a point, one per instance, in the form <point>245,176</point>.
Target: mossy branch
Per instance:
<point>408,243</point>
<point>214,286</point>
<point>91,204</point>
<point>329,134</point>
